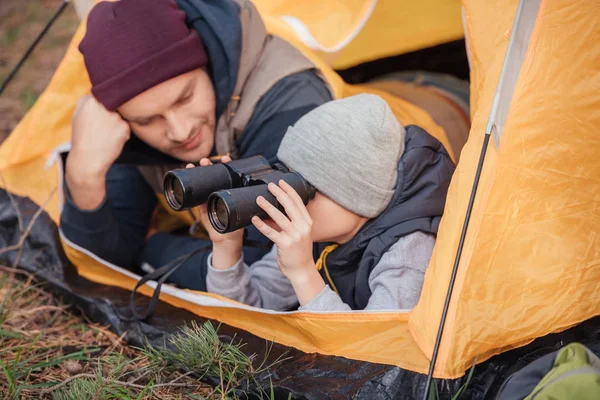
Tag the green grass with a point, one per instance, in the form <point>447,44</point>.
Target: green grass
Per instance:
<point>198,350</point>
<point>28,97</point>
<point>105,383</point>
<point>435,395</point>
<point>47,352</point>
<point>10,35</point>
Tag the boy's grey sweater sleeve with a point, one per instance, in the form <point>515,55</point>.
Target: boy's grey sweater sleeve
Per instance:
<point>262,285</point>
<point>395,282</point>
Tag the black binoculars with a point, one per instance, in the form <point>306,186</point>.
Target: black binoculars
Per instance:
<point>231,190</point>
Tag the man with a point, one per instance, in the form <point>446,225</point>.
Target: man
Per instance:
<point>171,84</point>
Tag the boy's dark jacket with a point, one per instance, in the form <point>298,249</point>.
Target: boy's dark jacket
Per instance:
<point>424,174</point>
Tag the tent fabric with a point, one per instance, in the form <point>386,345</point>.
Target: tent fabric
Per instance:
<point>531,259</point>
<point>70,81</point>
<point>516,51</point>
<point>350,32</point>
<point>532,249</point>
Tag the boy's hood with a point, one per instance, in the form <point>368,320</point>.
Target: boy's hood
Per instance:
<point>220,29</point>
<point>424,173</point>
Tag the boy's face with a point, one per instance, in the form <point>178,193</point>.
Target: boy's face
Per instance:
<point>332,222</point>
<point>176,117</point>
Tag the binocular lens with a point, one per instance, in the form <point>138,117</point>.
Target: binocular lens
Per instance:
<point>220,214</point>
<point>233,209</point>
<point>174,192</point>
<point>185,188</point>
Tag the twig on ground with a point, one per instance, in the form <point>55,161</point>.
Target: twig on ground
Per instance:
<point>11,270</point>
<point>114,345</point>
<point>145,374</point>
<point>114,381</point>
<point>24,313</point>
<point>19,245</point>
<point>182,376</point>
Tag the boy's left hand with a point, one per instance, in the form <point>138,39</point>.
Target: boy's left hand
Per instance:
<point>294,241</point>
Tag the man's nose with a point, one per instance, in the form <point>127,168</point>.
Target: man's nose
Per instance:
<point>177,128</point>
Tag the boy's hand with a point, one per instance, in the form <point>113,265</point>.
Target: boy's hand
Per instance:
<point>294,241</point>
<point>227,248</point>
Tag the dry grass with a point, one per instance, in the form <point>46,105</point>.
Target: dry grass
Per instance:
<point>47,351</point>
<point>20,22</point>
<point>42,344</point>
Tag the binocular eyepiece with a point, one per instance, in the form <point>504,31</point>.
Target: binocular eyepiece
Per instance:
<point>231,190</point>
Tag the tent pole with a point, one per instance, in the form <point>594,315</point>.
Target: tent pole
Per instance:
<point>463,234</point>
<point>33,45</point>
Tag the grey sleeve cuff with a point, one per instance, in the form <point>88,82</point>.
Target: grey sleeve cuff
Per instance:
<point>227,282</point>
<point>261,285</point>
<point>326,300</point>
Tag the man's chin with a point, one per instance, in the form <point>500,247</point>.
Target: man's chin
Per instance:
<point>192,156</point>
<point>188,159</point>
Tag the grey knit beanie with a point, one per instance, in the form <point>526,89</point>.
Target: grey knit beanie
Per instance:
<point>349,151</point>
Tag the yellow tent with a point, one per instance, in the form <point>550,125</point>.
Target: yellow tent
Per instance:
<point>530,262</point>
<point>349,32</point>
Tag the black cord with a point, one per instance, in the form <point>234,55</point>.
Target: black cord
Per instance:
<point>455,269</point>
<point>161,275</point>
<point>33,45</point>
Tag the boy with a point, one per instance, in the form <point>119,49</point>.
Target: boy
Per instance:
<point>381,191</point>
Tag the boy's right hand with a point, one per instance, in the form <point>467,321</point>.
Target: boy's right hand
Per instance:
<point>227,248</point>
<point>98,137</point>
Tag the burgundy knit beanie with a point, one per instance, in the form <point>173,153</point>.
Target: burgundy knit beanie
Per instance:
<point>133,45</point>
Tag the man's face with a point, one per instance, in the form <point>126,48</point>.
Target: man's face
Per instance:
<point>176,117</point>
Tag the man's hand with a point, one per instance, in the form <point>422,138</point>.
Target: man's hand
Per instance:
<point>97,140</point>
<point>227,248</point>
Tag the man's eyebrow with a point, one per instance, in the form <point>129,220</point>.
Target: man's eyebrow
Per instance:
<point>187,88</point>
